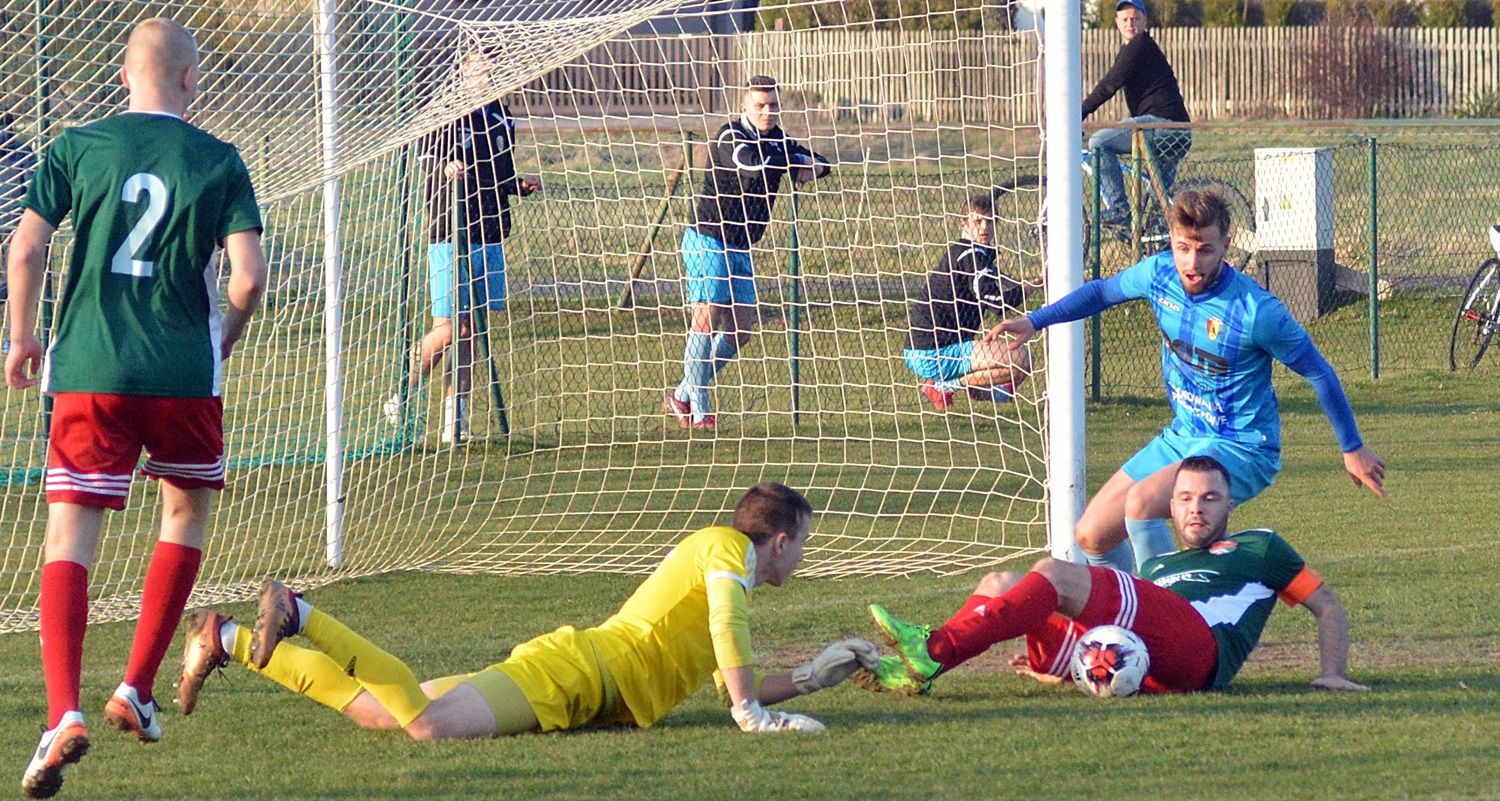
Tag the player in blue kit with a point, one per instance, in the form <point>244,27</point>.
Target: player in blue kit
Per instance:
<point>1220,331</point>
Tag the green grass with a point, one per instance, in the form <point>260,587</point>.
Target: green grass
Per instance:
<point>1411,569</point>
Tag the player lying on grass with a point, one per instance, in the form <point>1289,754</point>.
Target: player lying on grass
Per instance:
<point>1200,610</point>
<point>1220,332</point>
<point>687,621</point>
<point>945,317</point>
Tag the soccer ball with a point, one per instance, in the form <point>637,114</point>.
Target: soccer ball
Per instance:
<point>1109,662</point>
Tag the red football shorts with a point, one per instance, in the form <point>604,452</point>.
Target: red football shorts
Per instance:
<point>97,439</point>
<point>1184,653</point>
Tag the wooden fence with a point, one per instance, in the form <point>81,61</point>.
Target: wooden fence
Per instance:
<point>947,76</point>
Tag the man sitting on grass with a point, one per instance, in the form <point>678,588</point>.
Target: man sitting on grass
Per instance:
<point>687,621</point>
<point>1200,610</point>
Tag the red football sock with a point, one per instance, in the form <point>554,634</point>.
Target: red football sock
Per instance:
<point>985,621</point>
<point>65,614</point>
<point>169,581</point>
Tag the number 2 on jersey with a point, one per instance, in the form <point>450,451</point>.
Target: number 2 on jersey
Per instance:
<point>124,261</point>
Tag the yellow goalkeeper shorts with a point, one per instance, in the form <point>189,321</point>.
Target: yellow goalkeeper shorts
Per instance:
<point>562,676</point>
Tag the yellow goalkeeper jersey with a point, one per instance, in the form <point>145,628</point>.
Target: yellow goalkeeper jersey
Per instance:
<point>689,619</point>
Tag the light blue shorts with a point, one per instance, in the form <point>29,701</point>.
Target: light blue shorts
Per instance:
<point>1251,469</point>
<point>485,273</point>
<point>716,273</point>
<point>943,364</point>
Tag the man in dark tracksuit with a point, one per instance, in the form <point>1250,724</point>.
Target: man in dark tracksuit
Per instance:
<point>945,317</point>
<point>748,157</point>
<point>1151,95</point>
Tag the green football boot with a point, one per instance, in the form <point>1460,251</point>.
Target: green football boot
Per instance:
<point>909,640</point>
<point>890,676</point>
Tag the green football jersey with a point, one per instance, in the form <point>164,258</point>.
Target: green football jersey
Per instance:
<point>1233,583</point>
<point>151,197</point>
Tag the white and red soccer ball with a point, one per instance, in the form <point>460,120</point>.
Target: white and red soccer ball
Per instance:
<point>1109,662</point>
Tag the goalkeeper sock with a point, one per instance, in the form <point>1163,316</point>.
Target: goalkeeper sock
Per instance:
<point>697,372</point>
<point>725,348</point>
<point>1119,557</point>
<point>301,670</point>
<point>1149,539</point>
<point>954,385</point>
<point>984,621</point>
<point>382,675</point>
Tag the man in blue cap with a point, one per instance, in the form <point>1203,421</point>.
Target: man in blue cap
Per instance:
<point>1151,95</point>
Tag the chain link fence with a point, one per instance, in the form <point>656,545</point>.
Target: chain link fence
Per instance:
<point>1369,231</point>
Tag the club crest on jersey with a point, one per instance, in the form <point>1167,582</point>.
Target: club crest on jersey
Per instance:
<point>1222,547</point>
<point>1215,326</point>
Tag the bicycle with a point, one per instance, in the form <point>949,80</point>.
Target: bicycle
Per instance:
<point>1012,202</point>
<point>1478,318</point>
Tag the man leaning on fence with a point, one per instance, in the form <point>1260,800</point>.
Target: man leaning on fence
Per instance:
<point>1151,96</point>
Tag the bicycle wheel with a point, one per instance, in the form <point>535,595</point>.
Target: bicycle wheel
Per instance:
<point>1476,322</point>
<point>1241,217</point>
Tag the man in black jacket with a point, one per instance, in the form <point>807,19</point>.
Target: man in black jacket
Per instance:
<point>748,157</point>
<point>1151,95</point>
<point>945,317</point>
<point>472,157</point>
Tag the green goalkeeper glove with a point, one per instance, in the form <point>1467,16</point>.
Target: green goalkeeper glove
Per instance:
<point>752,717</point>
<point>837,662</point>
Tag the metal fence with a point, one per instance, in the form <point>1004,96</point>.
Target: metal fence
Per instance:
<point>1406,210</point>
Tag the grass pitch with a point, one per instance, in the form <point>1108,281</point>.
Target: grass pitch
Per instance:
<point>1411,569</point>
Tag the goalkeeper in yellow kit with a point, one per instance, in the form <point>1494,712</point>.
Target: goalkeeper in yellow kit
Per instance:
<point>687,621</point>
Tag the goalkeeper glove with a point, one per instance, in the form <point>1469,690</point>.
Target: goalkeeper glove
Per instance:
<point>752,717</point>
<point>837,662</point>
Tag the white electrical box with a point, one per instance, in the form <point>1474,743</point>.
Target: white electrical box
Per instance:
<point>1293,198</point>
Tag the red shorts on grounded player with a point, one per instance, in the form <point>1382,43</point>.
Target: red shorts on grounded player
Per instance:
<point>97,440</point>
<point>1184,653</point>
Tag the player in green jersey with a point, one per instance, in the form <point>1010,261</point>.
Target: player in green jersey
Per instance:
<point>136,361</point>
<point>1200,610</point>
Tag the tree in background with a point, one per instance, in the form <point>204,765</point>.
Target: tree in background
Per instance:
<point>1459,13</point>
<point>1380,13</point>
<point>1278,13</point>
<point>1225,13</point>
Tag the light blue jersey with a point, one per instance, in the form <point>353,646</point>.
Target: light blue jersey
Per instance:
<point>1216,352</point>
<point>1217,349</point>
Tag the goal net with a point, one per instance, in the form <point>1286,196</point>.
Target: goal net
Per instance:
<point>350,117</point>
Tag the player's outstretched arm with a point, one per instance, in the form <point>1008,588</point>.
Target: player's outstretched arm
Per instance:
<point>247,283</point>
<point>1091,298</point>
<point>25,272</point>
<point>1333,642</point>
<point>1364,466</point>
